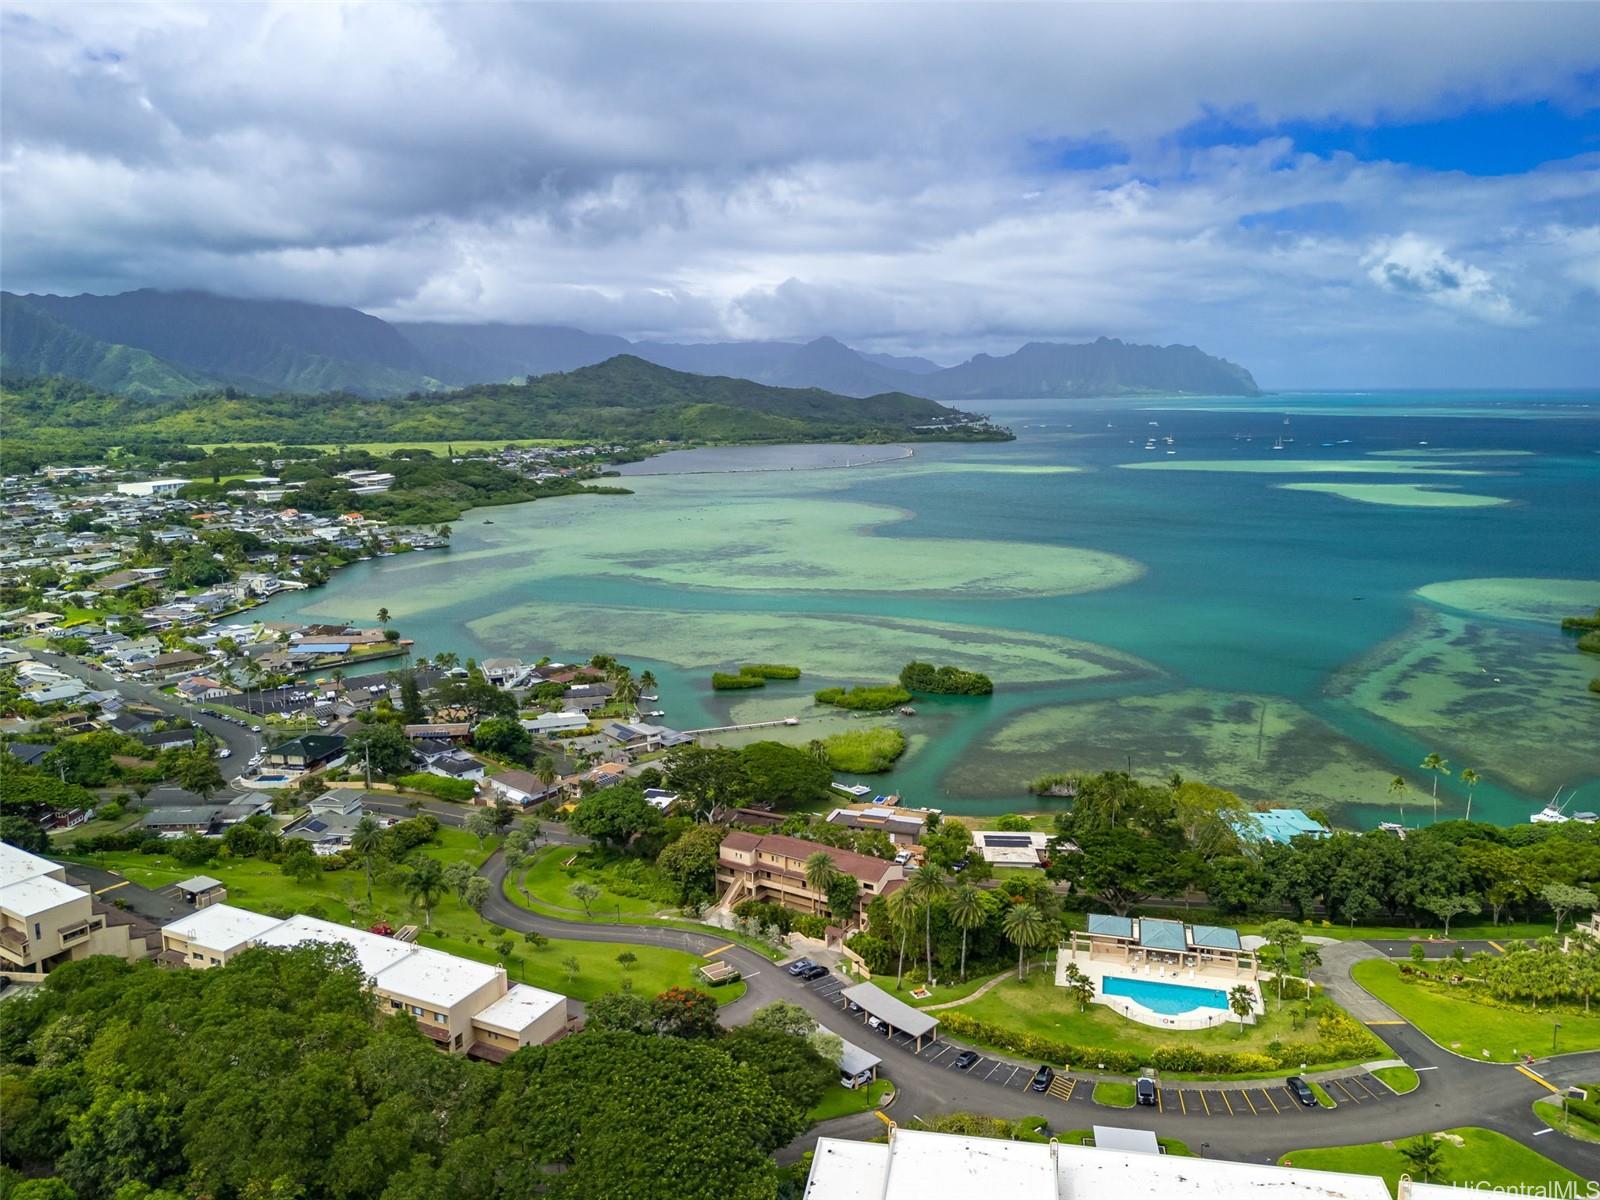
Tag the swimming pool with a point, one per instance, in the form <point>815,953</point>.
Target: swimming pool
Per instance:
<point>1169,999</point>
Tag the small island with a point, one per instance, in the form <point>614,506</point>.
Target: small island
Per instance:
<point>751,675</point>
<point>944,681</point>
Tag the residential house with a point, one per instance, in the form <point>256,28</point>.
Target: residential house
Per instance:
<point>636,737</point>
<point>46,920</point>
<point>562,722</point>
<point>175,822</point>
<point>168,739</point>
<point>456,765</point>
<point>331,821</point>
<point>522,789</point>
<point>165,666</point>
<point>308,752</point>
<point>1002,849</point>
<point>772,867</point>
<point>200,687</point>
<point>904,826</point>
<point>586,697</point>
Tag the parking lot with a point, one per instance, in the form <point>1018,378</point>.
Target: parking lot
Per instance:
<point>1268,1100</point>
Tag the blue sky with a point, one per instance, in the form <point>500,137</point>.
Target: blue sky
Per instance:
<point>1332,195</point>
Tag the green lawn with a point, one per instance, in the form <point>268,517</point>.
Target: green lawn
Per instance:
<point>840,1101</point>
<point>550,882</point>
<point>1484,1157</point>
<point>1400,1079</point>
<point>1115,1095</point>
<point>1458,1023</point>
<point>1037,1006</point>
<point>341,896</point>
<point>95,828</point>
<point>1459,932</point>
<point>1569,1123</point>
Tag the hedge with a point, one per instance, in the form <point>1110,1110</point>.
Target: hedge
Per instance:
<point>439,785</point>
<point>1339,1038</point>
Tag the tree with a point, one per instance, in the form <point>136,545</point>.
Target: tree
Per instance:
<point>456,875</point>
<point>1504,876</point>
<point>928,887</point>
<point>411,707</point>
<point>902,915</point>
<point>785,776</point>
<point>1397,793</point>
<point>483,823</point>
<point>1436,767</point>
<point>1025,928</point>
<point>1563,898</point>
<point>1424,1154</point>
<point>1235,884</point>
<point>711,779</point>
<point>424,884</point>
<point>504,736</point>
<point>571,966</point>
<point>1470,778</point>
<point>586,894</point>
<point>1079,986</point>
<point>1120,866</point>
<point>24,834</point>
<point>686,1013</point>
<point>383,616</point>
<point>1242,1002</point>
<point>620,1012</point>
<point>791,1066</point>
<point>366,840</point>
<point>691,862</point>
<point>196,770</point>
<point>819,871</point>
<point>1447,907</point>
<point>968,909</point>
<point>614,815</point>
<point>1284,937</point>
<point>783,1017</point>
<point>544,770</point>
<point>476,893</point>
<point>381,745</point>
<point>627,960</point>
<point>300,863</point>
<point>647,681</point>
<point>818,751</point>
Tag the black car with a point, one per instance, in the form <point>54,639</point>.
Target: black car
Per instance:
<point>1144,1091</point>
<point>1042,1079</point>
<point>1301,1090</point>
<point>813,972</point>
<point>965,1059</point>
<point>799,965</point>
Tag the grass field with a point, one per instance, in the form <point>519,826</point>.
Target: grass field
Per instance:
<point>1483,1158</point>
<point>439,448</point>
<point>840,1101</point>
<point>1458,1023</point>
<point>1459,932</point>
<point>549,881</point>
<point>1553,1115</point>
<point>1038,1006</point>
<point>337,895</point>
<point>1400,1079</point>
<point>1114,1095</point>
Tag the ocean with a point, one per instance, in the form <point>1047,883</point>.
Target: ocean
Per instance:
<point>1298,597</point>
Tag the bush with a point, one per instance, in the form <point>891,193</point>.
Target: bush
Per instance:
<point>438,785</point>
<point>944,681</point>
<point>864,699</point>
<point>769,670</point>
<point>721,681</point>
<point>811,926</point>
<point>864,751</point>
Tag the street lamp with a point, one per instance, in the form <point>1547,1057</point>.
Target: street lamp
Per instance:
<point>1553,1034</point>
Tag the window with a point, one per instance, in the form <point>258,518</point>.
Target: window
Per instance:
<point>416,1011</point>
<point>215,962</point>
<point>440,1018</point>
<point>198,957</point>
<point>36,934</point>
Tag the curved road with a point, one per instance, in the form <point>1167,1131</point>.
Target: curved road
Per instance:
<point>1454,1091</point>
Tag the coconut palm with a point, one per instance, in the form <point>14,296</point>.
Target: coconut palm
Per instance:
<point>817,750</point>
<point>819,872</point>
<point>967,911</point>
<point>927,888</point>
<point>1470,778</point>
<point>1025,927</point>
<point>647,681</point>
<point>544,770</point>
<point>383,616</point>
<point>902,915</point>
<point>424,884</point>
<point>1397,789</point>
<point>367,841</point>
<point>1241,1000</point>
<point>1436,765</point>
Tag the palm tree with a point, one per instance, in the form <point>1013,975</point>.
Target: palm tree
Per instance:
<point>1397,789</point>
<point>967,911</point>
<point>647,681</point>
<point>367,840</point>
<point>1470,778</point>
<point>902,913</point>
<point>625,691</point>
<point>544,770</point>
<point>1025,927</point>
<point>424,885</point>
<point>819,872</point>
<point>1241,1000</point>
<point>383,616</point>
<point>1437,766</point>
<point>927,888</point>
<point>817,750</point>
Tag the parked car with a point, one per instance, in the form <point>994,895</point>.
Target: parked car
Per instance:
<point>224,753</point>
<point>1042,1079</point>
<point>814,972</point>
<point>1301,1091</point>
<point>850,1006</point>
<point>799,965</point>
<point>902,858</point>
<point>255,729</point>
<point>965,1059</point>
<point>878,1024</point>
<point>1144,1092</point>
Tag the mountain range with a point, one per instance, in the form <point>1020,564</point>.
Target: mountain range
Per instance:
<point>155,344</point>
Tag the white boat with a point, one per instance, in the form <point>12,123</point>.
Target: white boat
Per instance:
<point>1586,818</point>
<point>1391,827</point>
<point>1549,815</point>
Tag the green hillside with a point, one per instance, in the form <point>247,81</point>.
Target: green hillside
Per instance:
<point>33,343</point>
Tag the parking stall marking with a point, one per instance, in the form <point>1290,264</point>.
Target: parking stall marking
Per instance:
<point>1370,1086</point>
<point>1271,1101</point>
<point>1343,1090</point>
<point>1204,1103</point>
<point>1224,1094</point>
<point>1294,1102</point>
<point>1250,1102</point>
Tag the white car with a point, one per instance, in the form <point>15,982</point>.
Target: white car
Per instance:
<point>224,753</point>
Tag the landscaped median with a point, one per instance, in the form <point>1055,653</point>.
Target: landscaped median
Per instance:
<point>1473,1024</point>
<point>1037,1019</point>
<point>1399,1080</point>
<point>1476,1158</point>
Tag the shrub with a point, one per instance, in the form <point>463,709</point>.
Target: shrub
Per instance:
<point>864,751</point>
<point>438,785</point>
<point>864,699</point>
<point>770,670</point>
<point>811,926</point>
<point>721,681</point>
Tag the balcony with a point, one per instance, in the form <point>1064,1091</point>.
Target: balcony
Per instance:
<point>14,946</point>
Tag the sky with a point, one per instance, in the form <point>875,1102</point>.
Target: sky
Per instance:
<point>1340,195</point>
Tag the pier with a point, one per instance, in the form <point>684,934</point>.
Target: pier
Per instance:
<point>737,728</point>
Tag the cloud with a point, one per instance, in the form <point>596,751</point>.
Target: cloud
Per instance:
<point>1414,266</point>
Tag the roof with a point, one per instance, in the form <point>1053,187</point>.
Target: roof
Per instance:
<point>181,815</point>
<point>221,927</point>
<point>853,1059</point>
<point>1156,933</point>
<point>916,1165</point>
<point>1102,925</point>
<point>432,976</point>
<point>1133,1141</point>
<point>200,883</point>
<point>1284,824</point>
<point>520,1007</point>
<point>312,745</point>
<point>373,951</point>
<point>17,864</point>
<point>39,894</point>
<point>1218,937</point>
<point>862,866</point>
<point>897,1013</point>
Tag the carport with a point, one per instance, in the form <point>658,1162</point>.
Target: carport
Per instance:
<point>897,1015</point>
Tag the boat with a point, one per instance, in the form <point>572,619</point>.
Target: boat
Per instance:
<point>1586,818</point>
<point>908,711</point>
<point>487,521</point>
<point>651,697</point>
<point>1551,813</point>
<point>1278,445</point>
<point>656,712</point>
<point>1392,827</point>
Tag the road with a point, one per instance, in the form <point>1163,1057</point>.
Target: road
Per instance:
<point>241,743</point>
<point>1454,1091</point>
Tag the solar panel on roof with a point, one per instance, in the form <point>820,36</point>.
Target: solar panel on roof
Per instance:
<point>1004,839</point>
<point>316,826</point>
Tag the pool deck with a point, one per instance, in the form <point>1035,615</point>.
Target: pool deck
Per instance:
<point>1219,978</point>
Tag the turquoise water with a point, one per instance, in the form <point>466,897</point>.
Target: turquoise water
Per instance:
<point>1268,639</point>
<point>1169,999</point>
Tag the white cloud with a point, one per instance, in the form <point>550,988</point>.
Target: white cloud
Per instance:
<point>1411,265</point>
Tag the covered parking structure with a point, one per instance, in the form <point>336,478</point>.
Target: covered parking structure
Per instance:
<point>896,1014</point>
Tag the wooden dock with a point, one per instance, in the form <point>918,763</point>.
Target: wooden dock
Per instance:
<point>737,728</point>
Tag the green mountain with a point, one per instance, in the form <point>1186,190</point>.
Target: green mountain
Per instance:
<point>623,399</point>
<point>1106,367</point>
<point>32,342</point>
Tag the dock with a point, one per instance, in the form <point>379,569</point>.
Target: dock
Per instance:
<point>737,728</point>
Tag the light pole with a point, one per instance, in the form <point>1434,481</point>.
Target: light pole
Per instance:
<point>1553,1034</point>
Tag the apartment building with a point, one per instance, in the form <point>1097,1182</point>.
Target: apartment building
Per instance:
<point>465,1006</point>
<point>46,921</point>
<point>772,867</point>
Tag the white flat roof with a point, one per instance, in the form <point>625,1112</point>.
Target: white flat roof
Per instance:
<point>520,1007</point>
<point>373,951</point>
<point>431,976</point>
<point>1133,1141</point>
<point>17,864</point>
<point>221,927</point>
<point>916,1165</point>
<point>40,894</point>
<point>853,1059</point>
